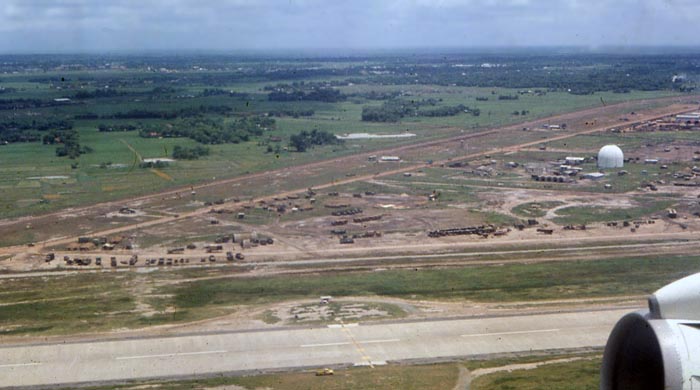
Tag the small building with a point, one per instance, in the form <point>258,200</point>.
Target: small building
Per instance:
<point>651,161</point>
<point>575,160</point>
<point>566,167</point>
<point>594,176</point>
<point>240,236</point>
<point>693,116</point>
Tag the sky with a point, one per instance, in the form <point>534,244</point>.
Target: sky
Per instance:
<point>45,26</point>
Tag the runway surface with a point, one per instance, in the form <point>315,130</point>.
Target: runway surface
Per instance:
<point>375,344</point>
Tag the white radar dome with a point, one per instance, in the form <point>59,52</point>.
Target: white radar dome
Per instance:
<point>610,156</point>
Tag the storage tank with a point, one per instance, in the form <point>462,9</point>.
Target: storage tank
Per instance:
<point>610,156</point>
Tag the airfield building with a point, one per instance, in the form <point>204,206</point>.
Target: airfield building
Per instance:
<point>575,160</point>
<point>610,156</point>
<point>594,176</point>
<point>694,116</point>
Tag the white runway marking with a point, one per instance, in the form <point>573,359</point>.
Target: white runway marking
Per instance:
<point>349,343</point>
<point>379,341</point>
<point>338,326</point>
<point>169,355</point>
<point>505,333</point>
<point>372,363</point>
<point>324,345</point>
<point>18,365</point>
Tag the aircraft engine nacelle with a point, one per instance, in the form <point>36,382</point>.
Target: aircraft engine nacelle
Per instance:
<point>657,348</point>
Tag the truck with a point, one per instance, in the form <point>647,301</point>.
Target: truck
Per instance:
<point>324,372</point>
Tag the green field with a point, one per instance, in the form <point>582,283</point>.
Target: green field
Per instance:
<point>576,375</point>
<point>535,209</point>
<point>581,215</point>
<point>99,302</point>
<point>434,376</point>
<point>581,373</point>
<point>34,180</point>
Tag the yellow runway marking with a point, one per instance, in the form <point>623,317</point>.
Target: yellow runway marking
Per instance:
<point>357,345</point>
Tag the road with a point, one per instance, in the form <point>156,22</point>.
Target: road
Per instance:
<point>339,344</point>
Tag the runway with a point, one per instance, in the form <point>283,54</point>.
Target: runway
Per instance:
<point>355,344</point>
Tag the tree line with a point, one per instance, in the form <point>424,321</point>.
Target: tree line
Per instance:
<point>395,109</point>
<point>69,141</point>
<point>308,139</point>
<point>211,131</point>
<point>26,130</point>
<point>189,153</point>
<point>328,95</point>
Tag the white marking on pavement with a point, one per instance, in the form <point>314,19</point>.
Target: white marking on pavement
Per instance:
<point>338,326</point>
<point>18,365</point>
<point>379,341</point>
<point>349,343</point>
<point>324,345</point>
<point>372,363</point>
<point>169,355</point>
<point>504,333</point>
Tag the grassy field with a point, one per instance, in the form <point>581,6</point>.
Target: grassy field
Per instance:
<point>46,183</point>
<point>491,284</point>
<point>107,301</point>
<point>646,206</point>
<point>435,376</point>
<point>576,375</point>
<point>579,375</point>
<point>534,209</point>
